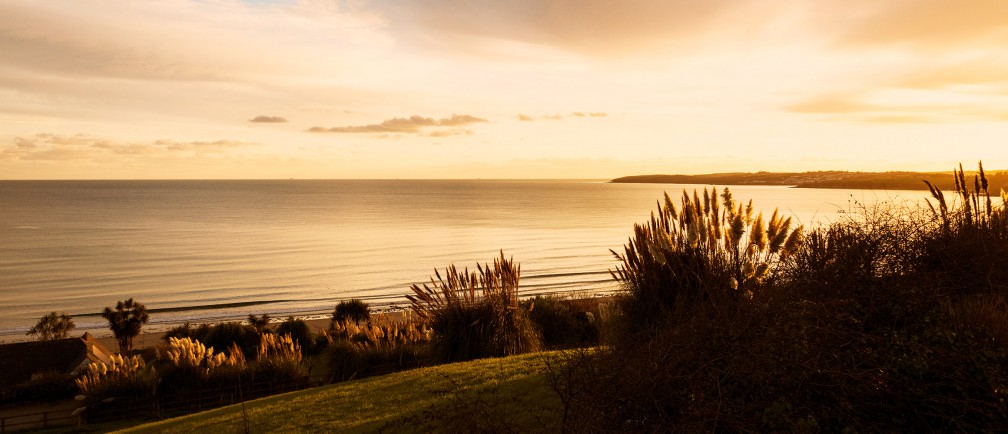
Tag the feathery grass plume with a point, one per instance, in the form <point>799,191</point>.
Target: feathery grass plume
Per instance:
<point>359,350</point>
<point>122,376</point>
<point>698,253</point>
<point>966,254</point>
<point>278,358</point>
<point>282,348</point>
<point>476,314</point>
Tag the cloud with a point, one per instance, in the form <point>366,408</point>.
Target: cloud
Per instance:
<point>411,125</point>
<point>932,24</point>
<point>557,116</point>
<point>450,132</point>
<point>267,119</point>
<point>860,108</point>
<point>587,26</point>
<point>53,147</point>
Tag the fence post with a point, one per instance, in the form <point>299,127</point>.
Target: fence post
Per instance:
<point>45,420</point>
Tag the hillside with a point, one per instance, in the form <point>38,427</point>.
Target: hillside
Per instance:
<point>458,397</point>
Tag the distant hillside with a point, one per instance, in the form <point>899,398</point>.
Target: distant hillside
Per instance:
<point>826,179</point>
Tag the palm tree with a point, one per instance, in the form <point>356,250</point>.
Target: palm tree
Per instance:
<point>125,322</point>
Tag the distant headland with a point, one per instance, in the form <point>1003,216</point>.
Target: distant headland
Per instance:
<point>825,179</point>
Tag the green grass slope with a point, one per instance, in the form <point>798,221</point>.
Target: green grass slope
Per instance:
<point>508,394</point>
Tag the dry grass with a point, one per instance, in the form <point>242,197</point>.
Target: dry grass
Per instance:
<point>476,314</point>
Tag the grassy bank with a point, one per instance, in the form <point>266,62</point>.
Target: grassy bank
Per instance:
<point>511,393</point>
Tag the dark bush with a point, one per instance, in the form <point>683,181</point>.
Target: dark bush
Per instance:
<point>477,314</point>
<point>46,389</point>
<point>298,330</point>
<point>352,310</point>
<point>222,336</point>
<point>891,320</point>
<point>564,322</point>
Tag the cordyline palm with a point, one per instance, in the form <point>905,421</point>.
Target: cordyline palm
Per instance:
<point>125,322</point>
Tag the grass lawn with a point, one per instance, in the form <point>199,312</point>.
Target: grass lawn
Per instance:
<point>503,394</point>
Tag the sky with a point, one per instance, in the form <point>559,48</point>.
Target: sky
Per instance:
<point>163,89</point>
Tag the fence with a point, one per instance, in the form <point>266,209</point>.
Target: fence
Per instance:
<point>123,408</point>
<point>45,419</point>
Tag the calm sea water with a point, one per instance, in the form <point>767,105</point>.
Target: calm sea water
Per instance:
<point>214,250</point>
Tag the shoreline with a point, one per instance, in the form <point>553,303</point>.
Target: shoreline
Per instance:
<point>159,325</point>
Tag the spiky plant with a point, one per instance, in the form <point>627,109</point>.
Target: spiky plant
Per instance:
<point>476,314</point>
<point>122,376</point>
<point>705,250</point>
<point>966,250</point>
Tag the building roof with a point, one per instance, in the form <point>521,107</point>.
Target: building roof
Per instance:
<point>19,362</point>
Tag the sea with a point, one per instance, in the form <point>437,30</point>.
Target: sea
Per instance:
<point>211,251</point>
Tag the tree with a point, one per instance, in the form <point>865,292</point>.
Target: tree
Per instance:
<point>354,310</point>
<point>52,326</point>
<point>259,323</point>
<point>125,322</point>
<point>298,330</point>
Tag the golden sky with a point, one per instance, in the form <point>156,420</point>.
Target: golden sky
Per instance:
<point>498,89</point>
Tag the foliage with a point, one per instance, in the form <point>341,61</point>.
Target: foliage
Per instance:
<point>46,389</point>
<point>278,358</point>
<point>124,376</point>
<point>126,321</point>
<point>701,253</point>
<point>259,323</point>
<point>52,326</point>
<point>477,314</point>
<point>564,322</point>
<point>298,330</point>
<point>889,320</point>
<point>228,334</point>
<point>356,351</point>
<point>354,310</point>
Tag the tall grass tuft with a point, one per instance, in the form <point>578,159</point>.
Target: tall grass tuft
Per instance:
<point>704,251</point>
<point>968,252</point>
<point>476,314</point>
<point>356,350</point>
<point>123,376</point>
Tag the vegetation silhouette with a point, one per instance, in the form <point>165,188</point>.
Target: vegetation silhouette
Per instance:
<point>126,322</point>
<point>52,326</point>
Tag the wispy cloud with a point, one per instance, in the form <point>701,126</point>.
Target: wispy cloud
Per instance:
<point>411,125</point>
<point>580,26</point>
<point>268,119</point>
<point>932,24</point>
<point>54,147</point>
<point>557,116</point>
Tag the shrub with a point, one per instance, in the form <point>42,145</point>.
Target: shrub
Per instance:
<point>298,330</point>
<point>477,314</point>
<point>228,334</point>
<point>354,351</point>
<point>126,321</point>
<point>124,376</point>
<point>699,254</point>
<point>52,326</point>
<point>965,250</point>
<point>351,310</point>
<point>563,322</point>
<point>259,323</point>
<point>278,358</point>
<point>876,323</point>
